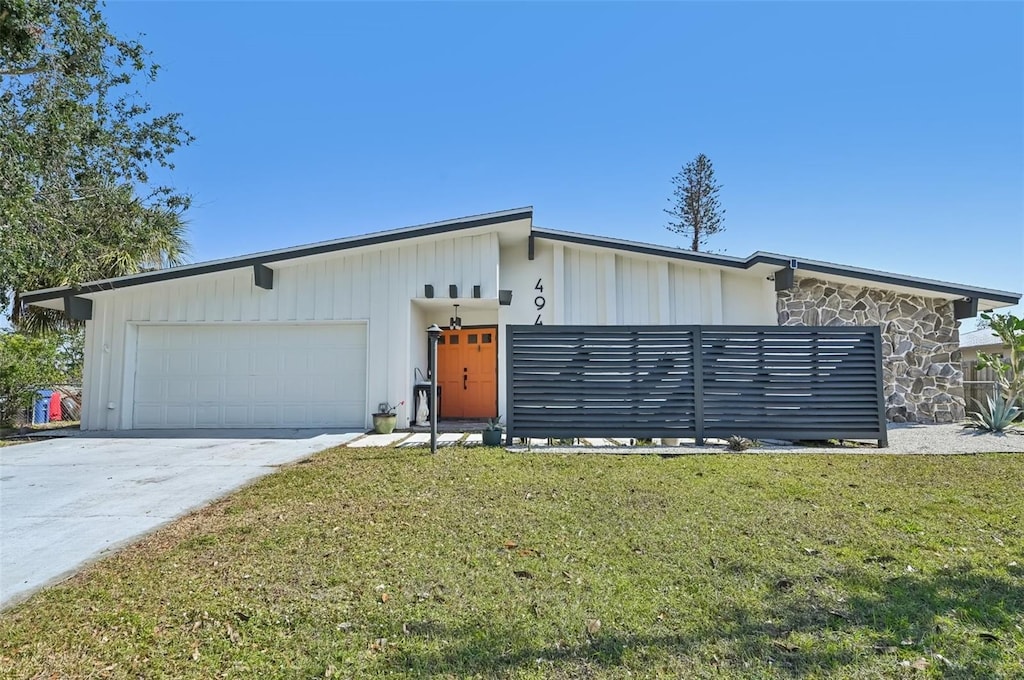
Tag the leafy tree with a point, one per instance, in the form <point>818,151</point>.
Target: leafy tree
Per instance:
<point>27,363</point>
<point>77,148</point>
<point>1009,371</point>
<point>696,211</point>
<point>71,353</point>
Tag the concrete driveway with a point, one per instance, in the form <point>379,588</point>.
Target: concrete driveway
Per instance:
<point>67,501</point>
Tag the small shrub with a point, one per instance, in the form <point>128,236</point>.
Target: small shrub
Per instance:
<point>737,443</point>
<point>1009,370</point>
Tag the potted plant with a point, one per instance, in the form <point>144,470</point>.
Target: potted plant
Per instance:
<point>493,432</point>
<point>385,417</point>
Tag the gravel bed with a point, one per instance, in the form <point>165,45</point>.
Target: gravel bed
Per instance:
<point>904,438</point>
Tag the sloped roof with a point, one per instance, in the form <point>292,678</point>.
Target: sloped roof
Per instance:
<point>983,337</point>
<point>271,256</point>
<point>993,298</point>
<point>770,261</point>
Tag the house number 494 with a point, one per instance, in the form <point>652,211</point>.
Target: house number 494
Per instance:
<point>539,301</point>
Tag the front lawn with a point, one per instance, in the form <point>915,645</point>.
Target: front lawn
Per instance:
<point>478,562</point>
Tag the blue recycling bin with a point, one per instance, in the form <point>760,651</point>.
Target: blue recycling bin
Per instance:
<point>41,412</point>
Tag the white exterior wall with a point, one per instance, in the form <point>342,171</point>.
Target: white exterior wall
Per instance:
<point>594,286</point>
<point>383,288</point>
<point>522,276</point>
<point>372,286</point>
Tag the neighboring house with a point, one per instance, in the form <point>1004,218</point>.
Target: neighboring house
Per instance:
<point>979,383</point>
<point>318,335</point>
<point>981,340</point>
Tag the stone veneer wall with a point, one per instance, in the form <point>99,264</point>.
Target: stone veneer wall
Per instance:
<point>923,381</point>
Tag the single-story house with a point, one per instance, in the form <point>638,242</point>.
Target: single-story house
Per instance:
<point>318,335</point>
<point>981,340</point>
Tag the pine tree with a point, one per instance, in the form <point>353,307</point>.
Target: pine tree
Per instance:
<point>695,207</point>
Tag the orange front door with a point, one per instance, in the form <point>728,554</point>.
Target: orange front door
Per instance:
<point>467,372</point>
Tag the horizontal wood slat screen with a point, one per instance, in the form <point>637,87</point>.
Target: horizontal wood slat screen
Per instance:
<point>763,382</point>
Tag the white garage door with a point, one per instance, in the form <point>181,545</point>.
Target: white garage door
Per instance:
<point>272,375</point>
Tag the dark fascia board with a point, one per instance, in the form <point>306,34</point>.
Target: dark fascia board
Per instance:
<point>637,247</point>
<point>875,276</point>
<point>377,238</point>
<point>781,261</point>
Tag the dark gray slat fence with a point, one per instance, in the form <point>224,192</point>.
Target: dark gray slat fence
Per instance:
<point>793,382</point>
<point>786,382</point>
<point>601,381</point>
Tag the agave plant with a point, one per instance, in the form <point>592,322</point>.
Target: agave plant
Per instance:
<point>997,416</point>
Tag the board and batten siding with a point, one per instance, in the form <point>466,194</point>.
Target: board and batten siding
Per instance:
<point>593,286</point>
<point>372,286</point>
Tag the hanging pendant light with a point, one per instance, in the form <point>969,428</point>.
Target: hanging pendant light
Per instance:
<point>455,322</point>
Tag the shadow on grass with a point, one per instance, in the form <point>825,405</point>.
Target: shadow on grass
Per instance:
<point>886,616</point>
<point>393,454</point>
<point>491,650</point>
<point>980,433</point>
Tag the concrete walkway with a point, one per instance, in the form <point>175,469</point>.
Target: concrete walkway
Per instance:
<point>67,501</point>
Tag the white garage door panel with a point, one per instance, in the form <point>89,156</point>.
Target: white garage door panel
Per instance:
<point>250,376</point>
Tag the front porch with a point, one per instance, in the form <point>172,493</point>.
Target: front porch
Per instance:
<point>467,363</point>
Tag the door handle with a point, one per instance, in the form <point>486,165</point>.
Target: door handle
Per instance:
<point>465,377</point>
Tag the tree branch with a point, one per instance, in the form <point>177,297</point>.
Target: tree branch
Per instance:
<point>38,68</point>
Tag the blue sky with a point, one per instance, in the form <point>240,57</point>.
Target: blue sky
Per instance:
<point>873,134</point>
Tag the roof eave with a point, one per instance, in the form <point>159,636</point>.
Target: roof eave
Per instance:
<point>640,248</point>
<point>987,298</point>
<point>268,257</point>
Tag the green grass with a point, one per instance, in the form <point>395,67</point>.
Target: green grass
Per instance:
<point>482,563</point>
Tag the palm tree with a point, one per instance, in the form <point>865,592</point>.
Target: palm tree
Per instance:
<point>111,235</point>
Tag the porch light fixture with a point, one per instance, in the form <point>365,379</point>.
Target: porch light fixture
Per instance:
<point>455,322</point>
